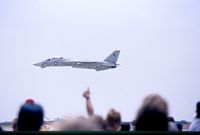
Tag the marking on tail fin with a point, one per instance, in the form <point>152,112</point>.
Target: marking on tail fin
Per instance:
<point>113,57</point>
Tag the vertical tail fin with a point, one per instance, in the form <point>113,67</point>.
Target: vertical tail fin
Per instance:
<point>113,57</point>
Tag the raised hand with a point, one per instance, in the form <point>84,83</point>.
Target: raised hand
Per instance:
<point>86,94</point>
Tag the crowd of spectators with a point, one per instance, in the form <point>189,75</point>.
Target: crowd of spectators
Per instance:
<point>153,115</point>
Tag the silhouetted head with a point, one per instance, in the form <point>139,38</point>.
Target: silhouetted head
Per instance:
<point>171,119</point>
<point>113,119</point>
<point>152,116</point>
<point>125,126</point>
<point>198,109</point>
<point>155,101</point>
<point>151,119</point>
<point>30,117</point>
<point>179,126</point>
<point>1,129</point>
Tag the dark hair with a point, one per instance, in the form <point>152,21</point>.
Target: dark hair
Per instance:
<point>171,119</point>
<point>1,129</point>
<point>151,119</point>
<point>30,117</point>
<point>198,109</point>
<point>125,126</point>
<point>179,126</point>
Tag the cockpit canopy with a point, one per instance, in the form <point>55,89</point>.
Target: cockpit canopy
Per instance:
<point>55,58</point>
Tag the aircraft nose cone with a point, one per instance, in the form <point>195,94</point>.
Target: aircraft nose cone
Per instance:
<point>37,64</point>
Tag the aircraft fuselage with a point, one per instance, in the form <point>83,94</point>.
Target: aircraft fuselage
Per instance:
<point>109,62</point>
<point>75,64</point>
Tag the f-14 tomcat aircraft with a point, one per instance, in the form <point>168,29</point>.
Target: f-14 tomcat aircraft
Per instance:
<point>108,63</point>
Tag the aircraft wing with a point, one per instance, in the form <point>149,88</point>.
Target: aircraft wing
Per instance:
<point>89,65</point>
<point>83,62</point>
<point>101,68</point>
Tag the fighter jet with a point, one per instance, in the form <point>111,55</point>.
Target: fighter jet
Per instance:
<point>109,63</point>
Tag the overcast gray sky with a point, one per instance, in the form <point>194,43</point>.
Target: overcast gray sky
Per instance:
<point>159,42</point>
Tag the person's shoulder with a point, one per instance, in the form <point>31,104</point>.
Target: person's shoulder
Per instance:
<point>196,121</point>
<point>172,126</point>
<point>195,125</point>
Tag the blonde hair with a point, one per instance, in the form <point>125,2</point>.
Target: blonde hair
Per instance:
<point>113,119</point>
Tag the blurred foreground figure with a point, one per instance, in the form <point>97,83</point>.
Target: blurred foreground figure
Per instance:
<point>113,119</point>
<point>98,122</point>
<point>14,123</point>
<point>179,126</point>
<point>30,117</point>
<point>152,116</point>
<point>195,125</point>
<point>172,124</point>
<point>89,106</point>
<point>80,124</point>
<point>126,126</point>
